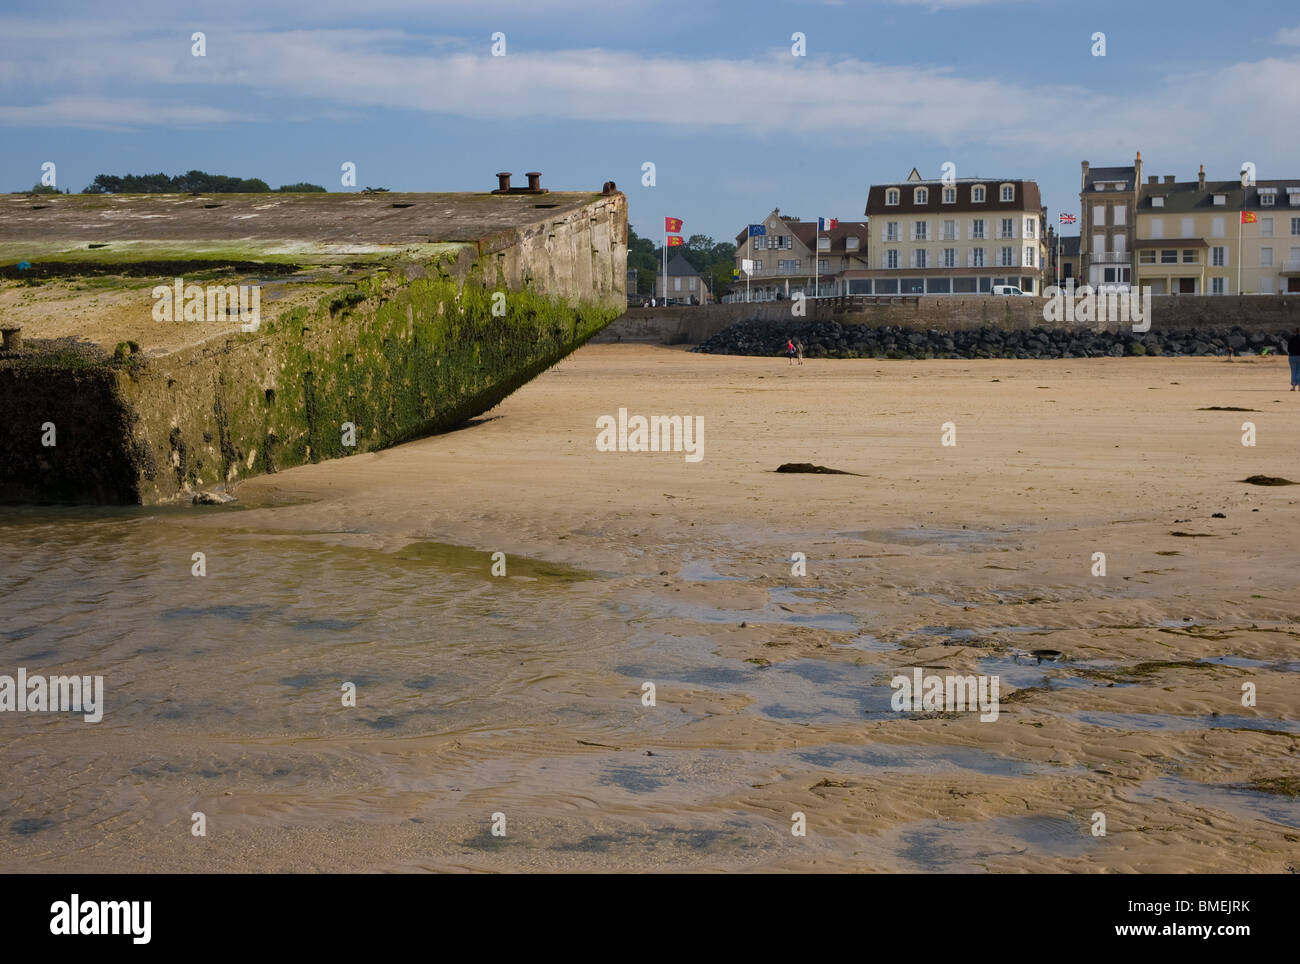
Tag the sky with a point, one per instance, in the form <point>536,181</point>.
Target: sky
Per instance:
<point>710,92</point>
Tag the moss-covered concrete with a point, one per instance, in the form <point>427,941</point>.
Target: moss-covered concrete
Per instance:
<point>397,347</point>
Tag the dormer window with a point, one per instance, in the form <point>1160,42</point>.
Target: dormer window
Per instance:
<point>950,195</point>
<point>1267,196</point>
<point>824,243</point>
<point>891,197</point>
<point>1220,199</point>
<point>977,194</point>
<point>921,196</point>
<point>1158,202</point>
<point>1008,192</point>
<point>851,243</point>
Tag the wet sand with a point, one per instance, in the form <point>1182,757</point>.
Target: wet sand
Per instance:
<point>522,695</point>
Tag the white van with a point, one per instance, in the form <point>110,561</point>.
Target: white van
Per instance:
<point>1005,290</point>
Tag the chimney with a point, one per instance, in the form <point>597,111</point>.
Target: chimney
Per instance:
<point>1137,172</point>
<point>1153,179</point>
<point>1200,178</point>
<point>1084,185</point>
<point>1169,179</point>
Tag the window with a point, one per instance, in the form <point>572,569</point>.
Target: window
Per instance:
<point>823,265</point>
<point>950,257</point>
<point>1216,286</point>
<point>1157,202</point>
<point>891,197</point>
<point>1188,231</point>
<point>977,258</point>
<point>1168,257</point>
<point>1189,256</point>
<point>921,196</point>
<point>1099,244</point>
<point>1295,224</point>
<point>1293,259</point>
<point>950,230</point>
<point>1218,257</point>
<point>913,286</point>
<point>1029,257</point>
<point>1266,227</point>
<point>1029,227</point>
<point>1008,192</point>
<point>1266,257</point>
<point>1008,228</point>
<point>977,194</point>
<point>919,258</point>
<point>1147,256</point>
<point>677,284</point>
<point>788,267</point>
<point>891,231</point>
<point>977,229</point>
<point>824,243</point>
<point>920,231</point>
<point>1007,258</point>
<point>1217,229</point>
<point>851,244</point>
<point>963,286</point>
<point>1266,200</point>
<point>692,285</point>
<point>1119,213</point>
<point>950,195</point>
<point>758,266</point>
<point>1220,199</point>
<point>1108,275</point>
<point>1099,215</point>
<point>938,286</point>
<point>891,258</point>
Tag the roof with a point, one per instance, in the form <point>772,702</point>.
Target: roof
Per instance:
<point>1109,175</point>
<point>804,231</point>
<point>679,267</point>
<point>839,235</point>
<point>1188,197</point>
<point>1027,197</point>
<point>1069,245</point>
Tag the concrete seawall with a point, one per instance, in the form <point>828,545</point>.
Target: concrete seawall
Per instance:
<point>382,318</point>
<point>693,325</point>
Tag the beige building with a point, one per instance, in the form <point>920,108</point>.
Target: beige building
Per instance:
<point>685,284</point>
<point>784,263</point>
<point>957,236</point>
<point>1191,239</point>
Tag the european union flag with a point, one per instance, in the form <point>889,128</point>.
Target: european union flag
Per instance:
<point>757,229</point>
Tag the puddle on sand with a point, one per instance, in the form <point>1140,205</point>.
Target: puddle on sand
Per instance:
<point>700,571</point>
<point>768,615</point>
<point>947,846</point>
<point>868,759</point>
<point>1182,724</point>
<point>1243,663</point>
<point>1239,801</point>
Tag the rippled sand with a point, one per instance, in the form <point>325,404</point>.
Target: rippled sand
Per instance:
<point>521,695</point>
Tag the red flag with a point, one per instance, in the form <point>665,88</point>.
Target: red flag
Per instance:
<point>835,222</point>
<point>672,224</point>
<point>675,239</point>
<point>1248,217</point>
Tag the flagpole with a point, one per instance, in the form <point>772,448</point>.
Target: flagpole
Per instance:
<point>665,297</point>
<point>1241,219</point>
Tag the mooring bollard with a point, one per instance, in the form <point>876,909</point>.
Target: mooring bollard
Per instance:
<point>13,337</point>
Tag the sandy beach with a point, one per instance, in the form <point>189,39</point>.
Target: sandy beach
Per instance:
<point>522,695</point>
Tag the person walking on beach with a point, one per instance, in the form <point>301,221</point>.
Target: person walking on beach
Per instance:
<point>1293,356</point>
<point>789,350</point>
<point>798,346</point>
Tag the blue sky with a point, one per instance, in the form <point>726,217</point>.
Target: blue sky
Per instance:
<point>708,91</point>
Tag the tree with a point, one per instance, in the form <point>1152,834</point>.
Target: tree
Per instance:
<point>644,257</point>
<point>302,187</point>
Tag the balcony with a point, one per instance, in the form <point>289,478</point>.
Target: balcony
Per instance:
<point>1290,267</point>
<point>1110,257</point>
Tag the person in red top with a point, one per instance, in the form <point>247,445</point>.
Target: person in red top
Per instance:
<point>789,350</point>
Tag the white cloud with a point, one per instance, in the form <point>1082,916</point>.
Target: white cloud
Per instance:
<point>324,72</point>
<point>1290,36</point>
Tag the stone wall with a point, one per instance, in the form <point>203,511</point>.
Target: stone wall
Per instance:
<point>694,325</point>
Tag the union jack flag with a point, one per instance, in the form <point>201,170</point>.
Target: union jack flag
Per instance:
<point>1068,218</point>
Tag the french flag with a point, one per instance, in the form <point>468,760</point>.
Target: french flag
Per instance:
<point>822,224</point>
